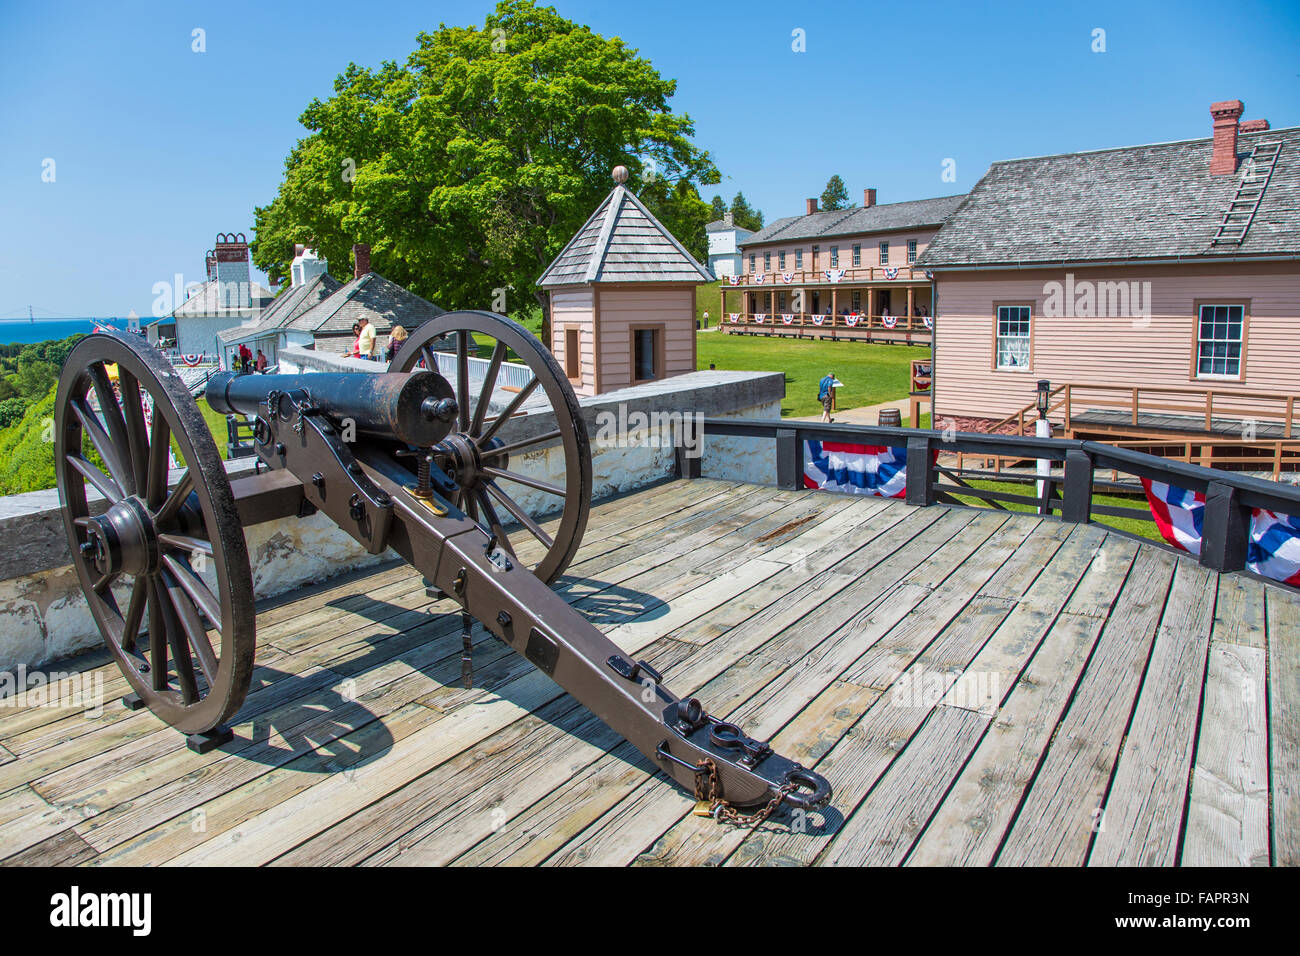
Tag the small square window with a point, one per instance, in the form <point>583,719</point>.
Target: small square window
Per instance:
<point>1219,341</point>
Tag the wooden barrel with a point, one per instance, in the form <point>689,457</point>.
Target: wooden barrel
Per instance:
<point>890,416</point>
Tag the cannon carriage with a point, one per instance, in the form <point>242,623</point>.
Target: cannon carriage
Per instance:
<point>407,460</point>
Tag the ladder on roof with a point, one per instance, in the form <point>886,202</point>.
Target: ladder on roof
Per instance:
<point>1255,174</point>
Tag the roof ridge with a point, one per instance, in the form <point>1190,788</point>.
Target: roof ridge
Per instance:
<point>1121,149</point>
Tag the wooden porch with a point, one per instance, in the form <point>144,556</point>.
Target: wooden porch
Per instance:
<point>979,686</point>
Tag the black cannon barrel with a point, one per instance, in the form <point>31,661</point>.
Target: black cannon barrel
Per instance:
<point>415,407</point>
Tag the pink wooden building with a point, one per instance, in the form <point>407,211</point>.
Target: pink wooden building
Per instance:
<point>1156,287</point>
<point>622,298</point>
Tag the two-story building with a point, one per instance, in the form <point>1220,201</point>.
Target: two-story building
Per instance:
<point>725,239</point>
<point>843,274</point>
<point>1157,288</point>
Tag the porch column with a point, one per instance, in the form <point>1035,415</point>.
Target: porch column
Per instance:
<point>910,294</point>
<point>722,307</point>
<point>871,304</point>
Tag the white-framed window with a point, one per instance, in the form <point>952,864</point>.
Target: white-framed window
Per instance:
<point>884,253</point>
<point>767,262</point>
<point>911,250</point>
<point>1013,337</point>
<point>835,257</point>
<point>751,262</point>
<point>857,255</point>
<point>798,259</point>
<point>780,260</point>
<point>1218,341</point>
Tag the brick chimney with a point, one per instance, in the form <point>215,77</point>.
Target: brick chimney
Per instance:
<point>811,207</point>
<point>1223,161</point>
<point>728,219</point>
<point>235,288</point>
<point>1253,126</point>
<point>212,264</point>
<point>361,259</point>
<point>868,198</point>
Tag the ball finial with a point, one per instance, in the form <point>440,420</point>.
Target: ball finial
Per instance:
<point>620,174</point>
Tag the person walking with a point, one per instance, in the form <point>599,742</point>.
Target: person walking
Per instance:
<point>826,395</point>
<point>261,362</point>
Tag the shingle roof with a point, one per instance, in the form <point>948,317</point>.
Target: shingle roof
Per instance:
<point>721,225</point>
<point>623,242</point>
<point>383,302</point>
<point>1138,202</point>
<point>287,306</point>
<point>844,222</point>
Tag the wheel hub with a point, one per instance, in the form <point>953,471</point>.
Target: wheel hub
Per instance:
<point>123,539</point>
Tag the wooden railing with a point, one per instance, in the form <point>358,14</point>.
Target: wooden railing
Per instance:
<point>773,320</point>
<point>901,273</point>
<point>1268,456</point>
<point>922,375</point>
<point>1068,490</point>
<point>1073,398</point>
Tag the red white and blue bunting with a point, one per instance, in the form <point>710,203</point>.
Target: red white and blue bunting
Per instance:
<point>759,278</point>
<point>891,273</point>
<point>858,469</point>
<point>852,320</point>
<point>889,321</point>
<point>734,280</point>
<point>929,322</point>
<point>929,274</point>
<point>833,275</point>
<point>192,360</point>
<point>787,317</point>
<point>787,277</point>
<point>760,317</point>
<point>733,316</point>
<point>1274,548</point>
<point>818,319</point>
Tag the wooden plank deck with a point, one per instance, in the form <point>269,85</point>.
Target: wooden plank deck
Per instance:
<point>980,687</point>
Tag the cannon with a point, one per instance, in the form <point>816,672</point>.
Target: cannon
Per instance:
<point>408,459</point>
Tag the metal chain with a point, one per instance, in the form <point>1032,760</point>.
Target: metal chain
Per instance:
<point>720,809</point>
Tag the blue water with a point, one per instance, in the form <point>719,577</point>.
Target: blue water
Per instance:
<point>23,331</point>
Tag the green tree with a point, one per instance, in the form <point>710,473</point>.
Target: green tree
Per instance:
<point>745,216</point>
<point>835,195</point>
<point>470,166</point>
<point>34,378</point>
<point>717,209</point>
<point>12,410</point>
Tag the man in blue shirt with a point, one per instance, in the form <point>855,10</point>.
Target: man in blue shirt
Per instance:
<point>826,395</point>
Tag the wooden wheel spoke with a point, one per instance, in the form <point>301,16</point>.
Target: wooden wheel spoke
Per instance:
<point>494,522</point>
<point>176,498</point>
<point>159,446</point>
<point>520,445</point>
<point>193,585</point>
<point>520,515</point>
<point>137,432</point>
<point>103,484</point>
<point>186,543</point>
<point>104,580</point>
<point>134,613</point>
<point>430,360</point>
<point>157,639</point>
<point>112,455</point>
<point>489,386</point>
<point>462,379</point>
<point>509,411</point>
<point>195,633</point>
<point>178,643</point>
<point>111,414</point>
<point>519,479</point>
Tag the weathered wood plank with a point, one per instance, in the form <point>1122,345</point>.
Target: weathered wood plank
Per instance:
<point>1227,816</point>
<point>65,848</point>
<point>1284,724</point>
<point>969,825</point>
<point>26,819</point>
<point>1239,616</point>
<point>1143,813</point>
<point>883,828</point>
<point>1057,819</point>
<point>5,755</point>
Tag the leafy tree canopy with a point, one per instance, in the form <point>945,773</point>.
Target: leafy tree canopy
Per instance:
<point>717,209</point>
<point>745,216</point>
<point>470,167</point>
<point>835,195</point>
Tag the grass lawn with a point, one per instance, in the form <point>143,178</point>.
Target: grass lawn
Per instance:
<point>1143,529</point>
<point>870,373</point>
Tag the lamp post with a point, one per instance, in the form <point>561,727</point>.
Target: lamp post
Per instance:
<point>1043,429</point>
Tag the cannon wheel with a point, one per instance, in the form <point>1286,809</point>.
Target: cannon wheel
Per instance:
<point>179,554</point>
<point>479,458</point>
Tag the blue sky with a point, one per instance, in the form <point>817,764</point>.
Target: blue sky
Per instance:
<point>158,148</point>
